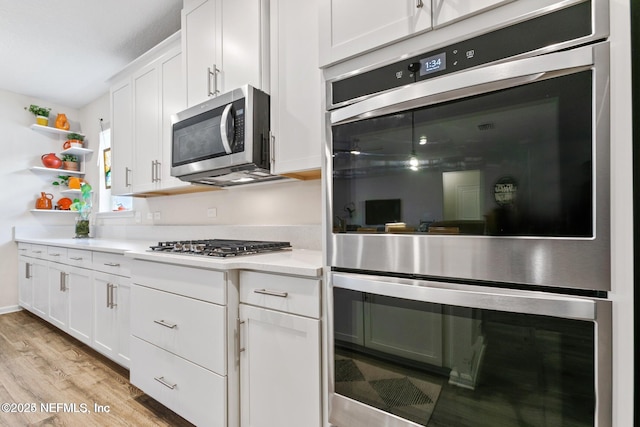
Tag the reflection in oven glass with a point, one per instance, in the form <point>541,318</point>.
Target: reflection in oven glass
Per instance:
<point>439,365</point>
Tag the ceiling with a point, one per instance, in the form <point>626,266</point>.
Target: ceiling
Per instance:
<point>63,51</point>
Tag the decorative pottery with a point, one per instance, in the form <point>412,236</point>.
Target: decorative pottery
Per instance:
<point>64,204</point>
<point>70,166</point>
<point>42,120</point>
<point>62,122</point>
<point>71,143</point>
<point>51,161</point>
<point>44,201</point>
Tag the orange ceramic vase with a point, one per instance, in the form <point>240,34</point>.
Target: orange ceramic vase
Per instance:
<point>62,122</point>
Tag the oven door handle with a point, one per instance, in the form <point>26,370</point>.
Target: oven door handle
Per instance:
<point>509,300</point>
<point>473,82</point>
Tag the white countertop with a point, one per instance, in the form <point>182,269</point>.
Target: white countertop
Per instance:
<point>301,262</point>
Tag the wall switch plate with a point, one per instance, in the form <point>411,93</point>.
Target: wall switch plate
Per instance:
<point>212,212</point>
<point>149,215</point>
<point>157,216</point>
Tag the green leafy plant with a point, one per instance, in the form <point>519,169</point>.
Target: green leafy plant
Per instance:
<point>61,180</point>
<point>38,111</point>
<point>69,158</point>
<point>83,204</point>
<point>77,136</point>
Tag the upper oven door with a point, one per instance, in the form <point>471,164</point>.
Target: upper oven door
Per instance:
<point>498,173</point>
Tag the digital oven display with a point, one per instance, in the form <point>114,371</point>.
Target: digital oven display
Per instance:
<point>433,63</point>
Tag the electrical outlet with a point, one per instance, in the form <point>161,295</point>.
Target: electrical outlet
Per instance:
<point>138,217</point>
<point>149,216</point>
<point>157,216</point>
<point>212,212</point>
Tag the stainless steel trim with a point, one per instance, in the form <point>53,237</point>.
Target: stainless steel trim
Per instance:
<point>112,264</point>
<point>224,134</point>
<point>162,381</point>
<point>454,86</point>
<point>165,324</point>
<point>581,263</point>
<point>271,293</point>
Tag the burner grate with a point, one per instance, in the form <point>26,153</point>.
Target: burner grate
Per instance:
<point>219,247</point>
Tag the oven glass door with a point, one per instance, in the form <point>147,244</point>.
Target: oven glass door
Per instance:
<point>514,162</point>
<point>501,361</point>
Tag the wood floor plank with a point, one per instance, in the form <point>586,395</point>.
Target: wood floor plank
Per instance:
<point>65,380</point>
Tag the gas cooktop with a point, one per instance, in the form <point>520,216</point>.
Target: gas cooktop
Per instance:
<point>219,247</point>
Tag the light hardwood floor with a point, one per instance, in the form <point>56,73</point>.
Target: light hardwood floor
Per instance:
<point>41,367</point>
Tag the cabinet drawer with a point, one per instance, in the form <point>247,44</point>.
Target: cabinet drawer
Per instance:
<point>79,258</point>
<point>290,294</point>
<point>112,263</point>
<point>202,284</point>
<point>193,329</point>
<point>56,254</point>
<point>38,251</point>
<point>187,389</point>
<point>24,249</point>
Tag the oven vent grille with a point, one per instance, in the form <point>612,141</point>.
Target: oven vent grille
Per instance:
<point>486,126</point>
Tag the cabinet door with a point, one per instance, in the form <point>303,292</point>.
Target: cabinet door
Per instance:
<point>40,280</point>
<point>296,86</point>
<point>279,369</point>
<point>122,292</point>
<point>349,28</point>
<point>243,52</point>
<point>174,100</point>
<point>80,291</point>
<point>25,284</point>
<point>105,338</point>
<point>58,295</point>
<point>121,138</point>
<point>199,46</point>
<point>448,11</point>
<point>146,128</point>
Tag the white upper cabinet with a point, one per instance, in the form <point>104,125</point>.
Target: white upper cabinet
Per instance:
<point>225,46</point>
<point>121,137</point>
<point>296,87</point>
<point>448,11</point>
<point>353,27</point>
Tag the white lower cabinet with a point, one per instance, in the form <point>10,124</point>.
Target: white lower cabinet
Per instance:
<point>280,373</point>
<point>80,294</point>
<point>183,340</point>
<point>111,296</point>
<point>195,393</point>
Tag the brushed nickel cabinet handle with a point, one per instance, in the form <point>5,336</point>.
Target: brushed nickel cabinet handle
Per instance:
<point>113,299</point>
<point>108,295</point>
<point>112,264</point>
<point>212,73</point>
<point>419,4</point>
<point>165,324</point>
<point>63,280</point>
<point>271,293</point>
<point>127,171</point>
<point>37,252</point>
<point>75,258</point>
<point>27,270</point>
<point>162,381</point>
<point>54,254</point>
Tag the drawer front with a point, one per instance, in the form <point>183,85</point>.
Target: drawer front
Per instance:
<point>187,389</point>
<point>38,251</point>
<point>284,293</point>
<point>202,284</point>
<point>193,329</point>
<point>56,254</point>
<point>24,249</point>
<point>79,258</point>
<point>112,263</point>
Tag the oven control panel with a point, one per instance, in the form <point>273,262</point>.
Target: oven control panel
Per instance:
<point>571,23</point>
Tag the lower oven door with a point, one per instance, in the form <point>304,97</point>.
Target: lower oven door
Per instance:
<point>422,353</point>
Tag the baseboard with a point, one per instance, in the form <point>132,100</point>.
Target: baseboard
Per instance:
<point>10,309</point>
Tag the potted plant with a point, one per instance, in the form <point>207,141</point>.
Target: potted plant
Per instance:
<point>73,140</point>
<point>41,113</point>
<point>62,180</point>
<point>82,205</point>
<point>70,162</point>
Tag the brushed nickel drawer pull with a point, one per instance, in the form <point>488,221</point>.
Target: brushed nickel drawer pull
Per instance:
<point>54,254</point>
<point>75,258</point>
<point>162,381</point>
<point>272,293</point>
<point>112,264</point>
<point>165,324</point>
<point>37,252</point>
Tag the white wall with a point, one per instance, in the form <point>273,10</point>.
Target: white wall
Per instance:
<point>281,203</point>
<point>22,149</point>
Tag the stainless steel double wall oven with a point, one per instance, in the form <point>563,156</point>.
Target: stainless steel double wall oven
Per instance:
<point>468,238</point>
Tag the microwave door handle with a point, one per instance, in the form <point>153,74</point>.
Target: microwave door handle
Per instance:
<point>224,132</point>
<point>471,82</point>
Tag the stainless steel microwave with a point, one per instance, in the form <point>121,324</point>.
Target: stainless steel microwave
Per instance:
<point>223,141</point>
